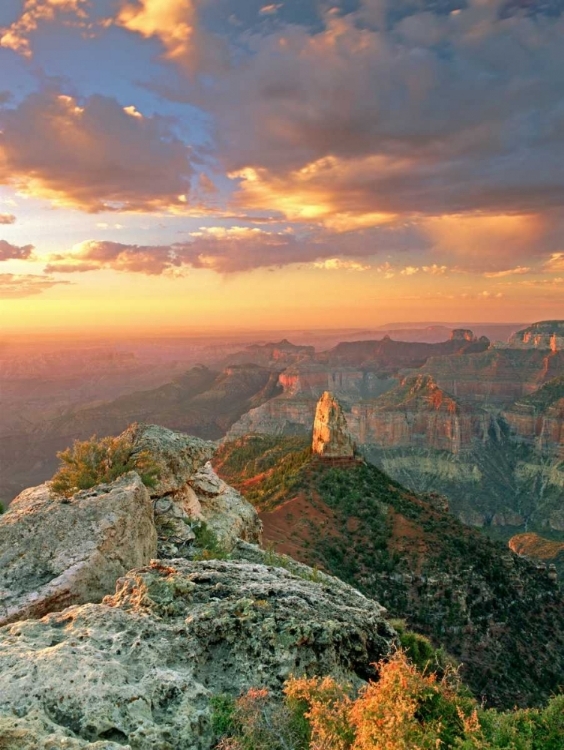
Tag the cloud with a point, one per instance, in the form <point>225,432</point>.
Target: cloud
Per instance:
<point>231,249</point>
<point>518,271</point>
<point>269,10</point>
<point>16,36</point>
<point>427,114</point>
<point>94,154</point>
<point>13,252</point>
<point>409,271</point>
<point>336,264</point>
<point>555,263</point>
<point>7,219</point>
<point>175,23</point>
<point>13,286</point>
<point>223,251</point>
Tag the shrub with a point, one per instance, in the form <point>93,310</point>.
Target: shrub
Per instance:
<point>256,721</point>
<point>92,462</point>
<point>421,652</point>
<point>406,709</point>
<point>209,546</point>
<point>2,508</point>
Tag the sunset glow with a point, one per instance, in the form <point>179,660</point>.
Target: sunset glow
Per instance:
<point>180,164</point>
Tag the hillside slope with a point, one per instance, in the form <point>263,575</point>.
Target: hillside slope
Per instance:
<point>495,612</point>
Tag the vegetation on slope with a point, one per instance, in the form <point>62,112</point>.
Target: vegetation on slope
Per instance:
<point>265,468</point>
<point>545,396</point>
<point>496,613</point>
<point>406,709</point>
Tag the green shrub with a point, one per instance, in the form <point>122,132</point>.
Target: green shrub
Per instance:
<point>258,721</point>
<point>2,508</point>
<point>209,546</point>
<point>92,462</point>
<point>223,715</point>
<point>421,651</point>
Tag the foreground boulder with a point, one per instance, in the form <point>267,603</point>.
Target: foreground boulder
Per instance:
<point>138,670</point>
<point>55,552</point>
<point>188,490</point>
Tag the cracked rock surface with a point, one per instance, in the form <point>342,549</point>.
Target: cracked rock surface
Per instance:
<point>138,670</point>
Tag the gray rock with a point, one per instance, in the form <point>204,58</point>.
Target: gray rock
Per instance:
<point>55,552</point>
<point>139,669</point>
<point>225,511</point>
<point>177,456</point>
<point>189,490</point>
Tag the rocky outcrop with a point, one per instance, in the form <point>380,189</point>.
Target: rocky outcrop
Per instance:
<point>224,510</point>
<point>176,455</point>
<point>188,491</point>
<point>55,552</point>
<point>462,334</point>
<point>139,669</point>
<point>331,437</point>
<point>547,335</point>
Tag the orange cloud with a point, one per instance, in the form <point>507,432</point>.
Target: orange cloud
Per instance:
<point>480,240</point>
<point>16,36</point>
<point>328,192</point>
<point>518,271</point>
<point>94,155</point>
<point>7,219</point>
<point>555,262</point>
<point>337,264</point>
<point>13,286</point>
<point>13,252</point>
<point>268,10</point>
<point>175,24</point>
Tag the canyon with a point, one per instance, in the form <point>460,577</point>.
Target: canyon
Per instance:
<point>479,423</point>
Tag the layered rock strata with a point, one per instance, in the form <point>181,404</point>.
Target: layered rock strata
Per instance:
<point>419,414</point>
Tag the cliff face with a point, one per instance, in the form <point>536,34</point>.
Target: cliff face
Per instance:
<point>388,355</point>
<point>496,377</point>
<point>272,355</point>
<point>547,335</point>
<point>539,418</point>
<point>331,437</point>
<point>349,383</point>
<point>418,413</point>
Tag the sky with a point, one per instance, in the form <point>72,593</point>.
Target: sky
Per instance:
<point>226,164</point>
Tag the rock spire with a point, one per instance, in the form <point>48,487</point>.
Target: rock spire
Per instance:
<point>331,438</point>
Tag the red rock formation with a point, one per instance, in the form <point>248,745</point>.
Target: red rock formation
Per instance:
<point>331,438</point>
<point>417,413</point>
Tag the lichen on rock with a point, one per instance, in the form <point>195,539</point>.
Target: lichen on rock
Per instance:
<point>140,668</point>
<point>57,551</point>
